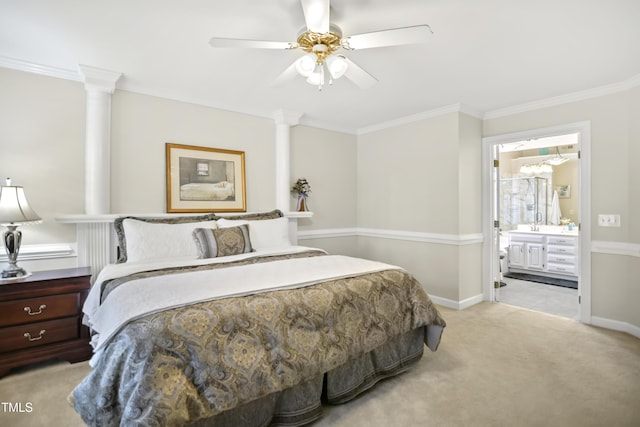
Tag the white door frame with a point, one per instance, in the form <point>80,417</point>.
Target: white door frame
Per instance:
<point>583,129</point>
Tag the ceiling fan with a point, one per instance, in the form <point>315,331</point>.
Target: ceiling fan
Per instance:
<point>322,42</point>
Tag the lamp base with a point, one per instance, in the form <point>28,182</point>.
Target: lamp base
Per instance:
<point>13,271</point>
<point>12,239</point>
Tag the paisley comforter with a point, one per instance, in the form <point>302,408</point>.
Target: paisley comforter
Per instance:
<point>196,363</point>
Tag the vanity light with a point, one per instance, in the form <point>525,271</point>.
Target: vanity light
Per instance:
<point>538,168</point>
<point>557,159</point>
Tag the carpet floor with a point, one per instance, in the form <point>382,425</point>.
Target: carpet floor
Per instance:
<point>497,365</point>
<point>543,279</point>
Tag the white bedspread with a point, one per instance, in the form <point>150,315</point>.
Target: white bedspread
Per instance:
<point>144,296</point>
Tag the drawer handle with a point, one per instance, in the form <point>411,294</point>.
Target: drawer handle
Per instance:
<point>27,335</point>
<point>28,310</point>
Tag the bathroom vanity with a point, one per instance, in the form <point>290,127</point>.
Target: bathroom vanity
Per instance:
<point>551,251</point>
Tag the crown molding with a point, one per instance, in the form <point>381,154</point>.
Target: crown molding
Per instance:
<point>454,108</point>
<point>287,117</point>
<point>99,79</point>
<point>565,99</point>
<point>74,75</point>
<point>305,121</point>
<point>45,70</point>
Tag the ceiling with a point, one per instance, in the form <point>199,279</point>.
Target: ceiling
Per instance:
<point>485,55</point>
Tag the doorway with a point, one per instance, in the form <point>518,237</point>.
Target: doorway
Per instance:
<point>533,219</point>
<point>538,205</point>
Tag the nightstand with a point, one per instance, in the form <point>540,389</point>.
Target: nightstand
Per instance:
<point>41,318</point>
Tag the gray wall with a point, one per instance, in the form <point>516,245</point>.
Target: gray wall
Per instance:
<point>615,179</point>
<point>424,178</point>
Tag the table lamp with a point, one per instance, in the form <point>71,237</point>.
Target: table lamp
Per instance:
<point>14,210</point>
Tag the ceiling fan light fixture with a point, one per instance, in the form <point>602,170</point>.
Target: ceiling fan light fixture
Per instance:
<point>306,65</point>
<point>317,76</point>
<point>337,66</point>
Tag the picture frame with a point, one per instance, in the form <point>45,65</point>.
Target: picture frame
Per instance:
<point>564,191</point>
<point>203,179</point>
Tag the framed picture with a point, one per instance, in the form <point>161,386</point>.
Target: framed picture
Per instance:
<point>564,191</point>
<point>202,179</point>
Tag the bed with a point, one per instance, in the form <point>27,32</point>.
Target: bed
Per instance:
<point>203,191</point>
<point>222,322</point>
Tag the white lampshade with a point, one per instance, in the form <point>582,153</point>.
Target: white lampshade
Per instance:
<point>306,64</point>
<point>317,77</point>
<point>337,66</point>
<point>14,207</point>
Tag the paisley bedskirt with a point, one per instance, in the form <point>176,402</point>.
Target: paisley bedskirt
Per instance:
<point>302,404</point>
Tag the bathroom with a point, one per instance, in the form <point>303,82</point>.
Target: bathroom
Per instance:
<point>538,196</point>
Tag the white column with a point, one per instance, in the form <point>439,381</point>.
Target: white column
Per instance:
<point>94,240</point>
<point>284,120</point>
<point>100,85</point>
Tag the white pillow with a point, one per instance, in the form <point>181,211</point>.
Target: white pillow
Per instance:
<point>147,240</point>
<point>264,233</point>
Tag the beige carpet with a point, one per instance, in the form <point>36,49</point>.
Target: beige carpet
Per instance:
<point>497,365</point>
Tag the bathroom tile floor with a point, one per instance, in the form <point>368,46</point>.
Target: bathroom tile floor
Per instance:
<point>540,297</point>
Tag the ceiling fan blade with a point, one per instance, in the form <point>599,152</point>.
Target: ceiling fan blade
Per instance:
<point>286,76</point>
<point>359,76</point>
<point>316,15</point>
<point>249,44</point>
<point>393,37</point>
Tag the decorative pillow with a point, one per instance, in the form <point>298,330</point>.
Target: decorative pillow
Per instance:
<point>217,242</point>
<point>148,240</point>
<point>254,216</point>
<point>266,233</point>
<point>122,237</point>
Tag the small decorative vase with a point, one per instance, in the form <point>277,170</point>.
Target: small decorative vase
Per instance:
<point>302,204</point>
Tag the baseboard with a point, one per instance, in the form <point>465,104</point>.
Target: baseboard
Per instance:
<point>616,325</point>
<point>457,305</point>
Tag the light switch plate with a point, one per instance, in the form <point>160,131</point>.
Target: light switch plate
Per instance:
<point>608,220</point>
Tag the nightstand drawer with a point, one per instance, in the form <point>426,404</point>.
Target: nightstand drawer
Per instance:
<point>36,309</point>
<point>38,333</point>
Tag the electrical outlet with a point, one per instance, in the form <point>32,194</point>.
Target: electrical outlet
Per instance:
<point>608,220</point>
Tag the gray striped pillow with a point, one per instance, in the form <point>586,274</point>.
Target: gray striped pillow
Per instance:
<point>217,242</point>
